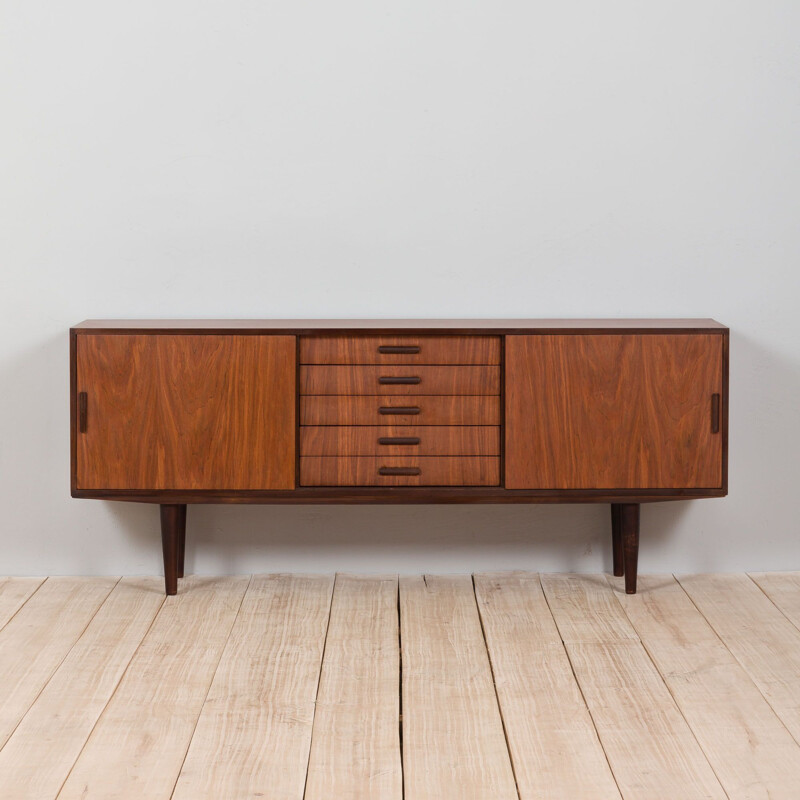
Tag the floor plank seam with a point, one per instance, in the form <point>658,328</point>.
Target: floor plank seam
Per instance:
<point>763,591</point>
<point>400,692</point>
<point>110,697</point>
<point>58,666</point>
<point>25,602</point>
<point>669,690</point>
<point>494,686</point>
<point>210,684</point>
<point>319,679</point>
<point>743,666</point>
<point>580,688</point>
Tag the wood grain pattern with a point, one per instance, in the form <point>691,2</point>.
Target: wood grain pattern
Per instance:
<point>355,749</point>
<point>40,753</point>
<point>433,410</point>
<point>365,379</point>
<point>752,753</point>
<point>453,742</point>
<point>783,588</point>
<point>215,412</point>
<point>551,737</point>
<point>253,737</point>
<point>432,349</point>
<point>434,440</point>
<point>758,635</point>
<point>612,411</point>
<point>139,743</point>
<point>433,471</point>
<point>14,593</point>
<point>36,640</point>
<point>649,745</point>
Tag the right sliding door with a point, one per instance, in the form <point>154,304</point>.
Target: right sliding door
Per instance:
<point>613,411</point>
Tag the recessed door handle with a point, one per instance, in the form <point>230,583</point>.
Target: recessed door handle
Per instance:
<point>399,471</point>
<point>83,408</point>
<point>399,410</point>
<point>715,413</point>
<point>398,440</point>
<point>399,349</point>
<point>395,379</point>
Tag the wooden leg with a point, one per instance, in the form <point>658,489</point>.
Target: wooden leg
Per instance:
<point>616,541</point>
<point>629,524</point>
<point>181,539</point>
<point>171,518</point>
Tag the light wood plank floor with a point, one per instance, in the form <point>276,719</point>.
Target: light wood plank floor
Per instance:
<point>498,686</point>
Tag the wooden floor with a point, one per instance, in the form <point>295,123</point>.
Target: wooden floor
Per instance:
<point>491,687</point>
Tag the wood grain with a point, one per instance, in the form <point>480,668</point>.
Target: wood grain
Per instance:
<point>355,749</point>
<point>36,640</point>
<point>365,379</point>
<point>751,751</point>
<point>253,737</point>
<point>432,349</point>
<point>758,635</point>
<point>215,412</point>
<point>139,743</point>
<point>433,471</point>
<point>553,743</point>
<point>14,593</point>
<point>612,411</point>
<point>40,753</point>
<point>453,742</point>
<point>783,588</point>
<point>433,410</point>
<point>434,440</point>
<point>650,747</point>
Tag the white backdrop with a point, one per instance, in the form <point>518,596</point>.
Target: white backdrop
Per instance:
<point>366,159</point>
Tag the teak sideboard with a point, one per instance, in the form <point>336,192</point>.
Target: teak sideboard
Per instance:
<point>399,411</point>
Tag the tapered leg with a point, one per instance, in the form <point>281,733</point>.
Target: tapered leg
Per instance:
<point>629,523</point>
<point>616,541</point>
<point>173,520</point>
<point>181,539</point>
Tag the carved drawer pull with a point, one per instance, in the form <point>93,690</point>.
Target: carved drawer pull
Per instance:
<point>399,471</point>
<point>398,440</point>
<point>394,379</point>
<point>399,410</point>
<point>399,349</point>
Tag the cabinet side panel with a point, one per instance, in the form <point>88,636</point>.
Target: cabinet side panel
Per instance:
<point>187,412</point>
<point>605,411</point>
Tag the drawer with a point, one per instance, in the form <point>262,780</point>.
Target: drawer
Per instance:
<point>394,379</point>
<point>382,410</point>
<point>400,471</point>
<point>412,349</point>
<point>410,440</point>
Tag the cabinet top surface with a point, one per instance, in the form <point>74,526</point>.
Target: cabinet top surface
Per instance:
<point>300,326</point>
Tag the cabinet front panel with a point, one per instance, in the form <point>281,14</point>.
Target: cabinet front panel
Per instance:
<point>399,410</point>
<point>390,440</point>
<point>408,349</point>
<point>370,379</point>
<point>186,412</point>
<point>613,411</point>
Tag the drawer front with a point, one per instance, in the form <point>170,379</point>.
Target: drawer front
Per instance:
<point>399,471</point>
<point>390,440</point>
<point>405,349</point>
<point>393,379</point>
<point>395,410</point>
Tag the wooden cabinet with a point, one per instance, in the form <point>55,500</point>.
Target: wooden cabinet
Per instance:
<point>403,411</point>
<point>613,411</point>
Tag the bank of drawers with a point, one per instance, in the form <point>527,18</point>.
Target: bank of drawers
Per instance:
<point>400,411</point>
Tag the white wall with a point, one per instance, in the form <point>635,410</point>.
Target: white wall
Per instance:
<point>359,159</point>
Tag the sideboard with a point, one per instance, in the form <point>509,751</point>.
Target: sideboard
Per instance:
<point>619,411</point>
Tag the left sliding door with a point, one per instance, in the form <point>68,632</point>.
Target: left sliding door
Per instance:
<point>185,412</point>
